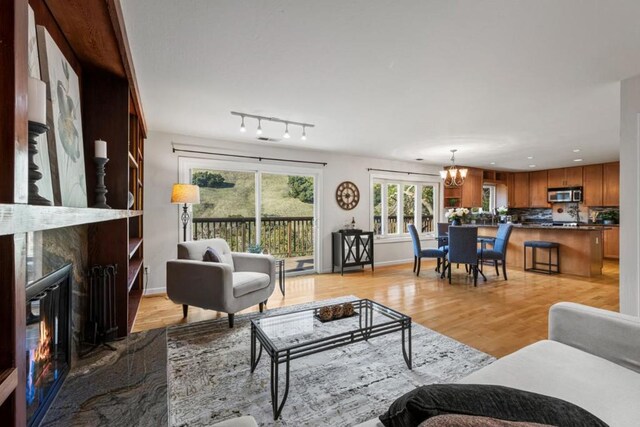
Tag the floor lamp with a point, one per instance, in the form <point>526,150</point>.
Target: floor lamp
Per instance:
<point>185,194</point>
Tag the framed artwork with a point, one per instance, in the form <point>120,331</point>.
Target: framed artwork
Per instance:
<point>65,124</point>
<point>45,186</point>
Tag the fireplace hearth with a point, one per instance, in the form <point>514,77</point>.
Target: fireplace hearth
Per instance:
<point>48,340</point>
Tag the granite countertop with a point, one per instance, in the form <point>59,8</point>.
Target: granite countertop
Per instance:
<point>591,227</point>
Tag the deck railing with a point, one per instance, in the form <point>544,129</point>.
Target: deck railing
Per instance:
<point>392,223</point>
<point>282,236</point>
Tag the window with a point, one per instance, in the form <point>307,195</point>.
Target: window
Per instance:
<point>396,204</point>
<point>488,198</point>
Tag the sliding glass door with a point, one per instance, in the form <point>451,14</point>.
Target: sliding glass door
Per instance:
<point>270,209</point>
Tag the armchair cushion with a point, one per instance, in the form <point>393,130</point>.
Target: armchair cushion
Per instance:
<point>245,282</point>
<point>195,250</point>
<point>490,254</point>
<point>212,255</point>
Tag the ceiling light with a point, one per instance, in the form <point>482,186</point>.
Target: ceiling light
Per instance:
<point>259,130</point>
<point>577,160</point>
<point>532,166</point>
<point>530,157</point>
<point>577,150</point>
<point>493,163</point>
<point>452,176</point>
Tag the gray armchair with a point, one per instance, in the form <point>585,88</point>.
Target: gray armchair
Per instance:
<point>240,281</point>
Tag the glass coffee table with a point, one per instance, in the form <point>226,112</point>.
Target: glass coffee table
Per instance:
<point>286,337</point>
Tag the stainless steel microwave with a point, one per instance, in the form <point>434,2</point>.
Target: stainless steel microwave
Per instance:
<point>564,195</point>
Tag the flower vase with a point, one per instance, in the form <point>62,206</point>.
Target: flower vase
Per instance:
<point>456,221</point>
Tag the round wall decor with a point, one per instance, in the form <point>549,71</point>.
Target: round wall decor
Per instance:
<point>347,195</point>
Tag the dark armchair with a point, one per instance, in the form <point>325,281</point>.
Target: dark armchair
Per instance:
<point>498,253</point>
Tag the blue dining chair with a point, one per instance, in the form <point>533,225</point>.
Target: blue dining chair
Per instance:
<point>463,249</point>
<point>419,253</point>
<point>499,251</point>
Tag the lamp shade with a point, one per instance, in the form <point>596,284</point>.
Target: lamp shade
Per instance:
<point>185,193</point>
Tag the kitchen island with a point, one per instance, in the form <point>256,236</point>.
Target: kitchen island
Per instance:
<point>581,250</point>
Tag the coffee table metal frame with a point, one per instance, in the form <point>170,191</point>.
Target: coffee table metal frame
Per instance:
<point>365,308</point>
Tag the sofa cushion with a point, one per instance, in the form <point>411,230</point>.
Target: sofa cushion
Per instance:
<point>456,420</point>
<point>483,400</point>
<point>245,282</point>
<point>608,391</point>
<point>195,249</point>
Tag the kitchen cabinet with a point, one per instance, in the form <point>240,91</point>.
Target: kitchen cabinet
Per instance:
<point>565,177</point>
<point>611,242</point>
<point>511,198</point>
<point>611,184</point>
<point>592,182</point>
<point>538,189</point>
<point>521,190</point>
<point>472,189</point>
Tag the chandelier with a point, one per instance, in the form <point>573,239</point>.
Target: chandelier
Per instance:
<point>452,176</point>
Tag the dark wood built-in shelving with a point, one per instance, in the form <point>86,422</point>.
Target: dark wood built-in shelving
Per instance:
<point>8,383</point>
<point>134,244</point>
<point>92,37</point>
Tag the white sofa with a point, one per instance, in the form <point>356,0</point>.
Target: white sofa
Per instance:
<point>591,359</point>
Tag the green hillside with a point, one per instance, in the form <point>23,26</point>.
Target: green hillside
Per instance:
<point>236,198</point>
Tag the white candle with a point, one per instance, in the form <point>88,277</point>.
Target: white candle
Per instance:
<point>101,149</point>
<point>37,101</point>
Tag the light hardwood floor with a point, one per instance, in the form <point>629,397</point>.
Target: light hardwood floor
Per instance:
<point>498,317</point>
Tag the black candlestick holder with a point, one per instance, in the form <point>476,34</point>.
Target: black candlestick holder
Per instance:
<point>101,189</point>
<point>35,130</point>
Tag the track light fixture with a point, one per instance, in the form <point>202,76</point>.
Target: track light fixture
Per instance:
<point>286,134</point>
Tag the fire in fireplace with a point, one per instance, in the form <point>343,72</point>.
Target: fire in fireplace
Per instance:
<point>48,340</point>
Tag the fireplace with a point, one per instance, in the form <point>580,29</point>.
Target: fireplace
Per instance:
<point>48,340</point>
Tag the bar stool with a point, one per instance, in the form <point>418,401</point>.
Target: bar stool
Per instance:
<point>539,244</point>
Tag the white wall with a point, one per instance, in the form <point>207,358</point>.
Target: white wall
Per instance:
<point>161,220</point>
<point>629,198</point>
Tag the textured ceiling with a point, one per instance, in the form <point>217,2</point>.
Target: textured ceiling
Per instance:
<point>500,81</point>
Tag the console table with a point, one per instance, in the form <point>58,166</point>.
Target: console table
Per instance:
<point>351,248</point>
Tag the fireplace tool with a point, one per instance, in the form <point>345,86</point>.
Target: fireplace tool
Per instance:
<point>101,327</point>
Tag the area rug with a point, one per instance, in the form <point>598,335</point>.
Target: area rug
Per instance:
<point>209,377</point>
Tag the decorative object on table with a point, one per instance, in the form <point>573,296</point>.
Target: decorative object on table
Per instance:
<point>37,102</point>
<point>452,175</point>
<point>186,194</point>
<point>347,195</point>
<point>130,200</point>
<point>255,249</point>
<point>609,217</point>
<point>325,313</point>
<point>65,123</point>
<point>457,216</point>
<point>100,160</point>
<point>337,311</point>
<point>353,222</point>
<point>351,248</point>
<point>347,309</point>
<point>41,155</point>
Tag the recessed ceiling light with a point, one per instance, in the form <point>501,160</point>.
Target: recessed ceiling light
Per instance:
<point>530,157</point>
<point>493,163</point>
<point>577,150</point>
<point>532,166</point>
<point>577,160</point>
<point>419,159</point>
